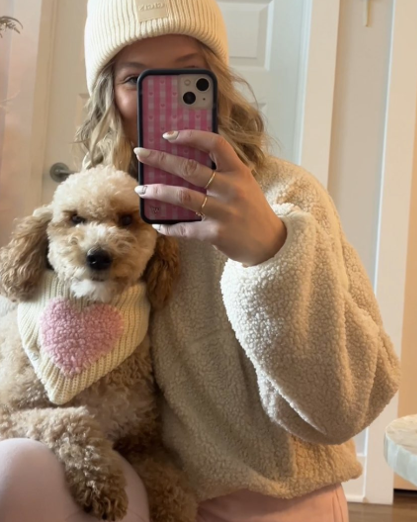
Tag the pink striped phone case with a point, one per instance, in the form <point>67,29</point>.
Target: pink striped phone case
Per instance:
<point>165,101</point>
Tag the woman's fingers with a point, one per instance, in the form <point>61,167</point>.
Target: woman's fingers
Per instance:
<point>183,197</point>
<point>221,152</point>
<point>206,232</point>
<point>189,170</point>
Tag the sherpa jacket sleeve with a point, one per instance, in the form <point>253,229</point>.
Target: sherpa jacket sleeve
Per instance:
<point>309,322</point>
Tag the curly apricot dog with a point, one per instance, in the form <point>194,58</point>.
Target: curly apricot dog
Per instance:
<point>75,364</point>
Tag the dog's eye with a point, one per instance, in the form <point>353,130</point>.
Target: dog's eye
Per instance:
<point>125,221</point>
<point>77,220</point>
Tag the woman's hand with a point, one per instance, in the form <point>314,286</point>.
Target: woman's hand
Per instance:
<point>236,217</point>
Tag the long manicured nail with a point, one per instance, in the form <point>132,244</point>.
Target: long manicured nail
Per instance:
<point>141,152</point>
<point>141,190</point>
<point>157,227</point>
<point>171,135</point>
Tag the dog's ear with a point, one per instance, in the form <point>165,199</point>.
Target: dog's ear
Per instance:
<point>163,271</point>
<point>23,260</point>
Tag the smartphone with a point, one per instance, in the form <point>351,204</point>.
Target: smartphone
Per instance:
<point>170,100</point>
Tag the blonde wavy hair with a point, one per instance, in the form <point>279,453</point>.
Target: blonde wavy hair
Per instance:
<point>240,122</point>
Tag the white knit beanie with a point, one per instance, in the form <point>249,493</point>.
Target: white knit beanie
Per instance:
<point>114,24</point>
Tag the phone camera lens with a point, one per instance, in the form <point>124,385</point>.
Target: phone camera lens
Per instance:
<point>203,85</point>
<point>189,98</point>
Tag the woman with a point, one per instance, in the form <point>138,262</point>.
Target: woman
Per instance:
<point>271,355</point>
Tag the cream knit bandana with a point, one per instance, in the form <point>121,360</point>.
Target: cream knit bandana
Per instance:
<point>72,343</point>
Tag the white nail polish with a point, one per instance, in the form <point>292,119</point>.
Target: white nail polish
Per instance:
<point>141,152</point>
<point>170,136</point>
<point>140,190</point>
<point>157,227</point>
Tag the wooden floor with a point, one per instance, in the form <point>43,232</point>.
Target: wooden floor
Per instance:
<point>403,510</point>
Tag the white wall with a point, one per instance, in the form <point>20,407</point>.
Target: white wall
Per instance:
<point>18,91</point>
<point>362,76</point>
<point>22,146</point>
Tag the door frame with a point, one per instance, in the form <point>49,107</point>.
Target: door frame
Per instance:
<point>317,87</point>
<point>394,218</point>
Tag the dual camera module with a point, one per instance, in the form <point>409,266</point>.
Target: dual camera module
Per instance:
<point>202,85</point>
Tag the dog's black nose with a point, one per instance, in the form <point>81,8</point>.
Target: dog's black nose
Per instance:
<point>99,260</point>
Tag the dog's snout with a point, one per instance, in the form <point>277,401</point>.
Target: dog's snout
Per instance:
<point>98,259</point>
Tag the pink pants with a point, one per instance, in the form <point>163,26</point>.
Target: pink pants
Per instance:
<point>33,489</point>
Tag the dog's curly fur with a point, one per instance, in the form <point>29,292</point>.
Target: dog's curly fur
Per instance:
<point>118,414</point>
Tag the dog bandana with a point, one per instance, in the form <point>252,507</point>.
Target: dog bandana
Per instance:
<point>73,342</point>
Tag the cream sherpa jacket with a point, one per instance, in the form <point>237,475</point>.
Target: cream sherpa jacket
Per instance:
<point>268,372</point>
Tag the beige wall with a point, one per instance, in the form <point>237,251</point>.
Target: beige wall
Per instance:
<point>5,43</point>
<point>408,390</point>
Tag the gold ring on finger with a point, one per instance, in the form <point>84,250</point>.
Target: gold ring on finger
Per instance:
<point>200,213</point>
<point>210,181</point>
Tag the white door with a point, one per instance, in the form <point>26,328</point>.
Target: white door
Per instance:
<point>287,50</point>
<point>266,47</point>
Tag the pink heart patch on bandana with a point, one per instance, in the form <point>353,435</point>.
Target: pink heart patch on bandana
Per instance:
<point>76,340</point>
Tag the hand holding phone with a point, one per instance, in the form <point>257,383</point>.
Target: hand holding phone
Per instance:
<point>173,100</point>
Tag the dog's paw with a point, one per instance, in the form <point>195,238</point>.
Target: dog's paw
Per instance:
<point>100,491</point>
<point>109,503</point>
<point>93,471</point>
<point>105,500</point>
